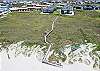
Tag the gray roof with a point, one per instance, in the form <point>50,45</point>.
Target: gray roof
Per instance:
<point>67,7</point>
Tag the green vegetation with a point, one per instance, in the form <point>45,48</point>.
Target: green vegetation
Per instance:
<point>31,26</point>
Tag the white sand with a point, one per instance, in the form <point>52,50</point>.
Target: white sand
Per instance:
<point>22,63</point>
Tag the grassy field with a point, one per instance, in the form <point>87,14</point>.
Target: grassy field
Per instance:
<point>31,26</point>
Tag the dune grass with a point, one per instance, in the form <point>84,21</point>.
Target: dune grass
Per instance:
<point>31,26</point>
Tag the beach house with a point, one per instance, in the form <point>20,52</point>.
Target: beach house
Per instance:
<point>67,10</point>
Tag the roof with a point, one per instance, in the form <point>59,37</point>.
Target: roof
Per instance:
<point>48,9</point>
<point>67,7</point>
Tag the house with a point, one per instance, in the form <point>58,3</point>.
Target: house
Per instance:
<point>97,7</point>
<point>4,9</point>
<point>48,9</point>
<point>78,7</point>
<point>88,7</point>
<point>14,9</point>
<point>21,9</point>
<point>1,14</point>
<point>60,5</point>
<point>67,10</point>
<point>97,1</point>
<point>91,7</point>
<point>28,7</point>
<point>36,6</point>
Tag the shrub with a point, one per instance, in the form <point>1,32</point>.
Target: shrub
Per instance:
<point>93,14</point>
